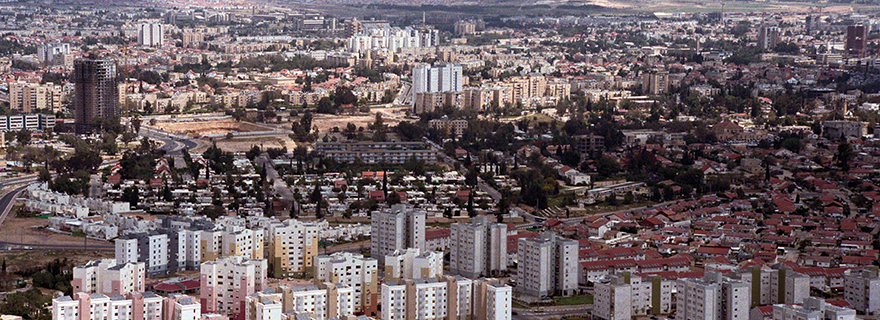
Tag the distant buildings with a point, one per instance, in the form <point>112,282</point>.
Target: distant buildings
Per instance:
<point>375,152</point>
<point>548,265</point>
<point>151,34</point>
<point>225,283</point>
<point>451,127</point>
<point>655,82</point>
<point>324,301</point>
<point>95,93</point>
<point>480,248</point>
<point>54,53</point>
<point>164,251</point>
<point>395,229</point>
<point>30,122</point>
<point>812,308</point>
<point>856,40</point>
<point>842,129</point>
<point>768,37</point>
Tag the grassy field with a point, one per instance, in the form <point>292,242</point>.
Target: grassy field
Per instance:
<point>574,300</point>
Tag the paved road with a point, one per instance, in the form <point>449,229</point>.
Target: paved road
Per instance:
<point>171,144</point>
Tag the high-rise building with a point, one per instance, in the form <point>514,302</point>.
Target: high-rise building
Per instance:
<point>397,228</point>
<point>95,92</point>
<point>226,283</point>
<point>856,39</point>
<point>353,270</point>
<point>492,300</point>
<point>861,288</point>
<point>264,305</point>
<point>625,295</point>
<point>655,82</point>
<point>108,277</point>
<point>151,34</point>
<point>712,297</point>
<point>413,264</point>
<point>239,241</point>
<point>433,79</point>
<point>53,53</point>
<point>480,250</point>
<point>768,37</point>
<point>548,265</point>
<point>293,246</point>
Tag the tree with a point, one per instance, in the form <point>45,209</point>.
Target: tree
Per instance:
<point>23,137</point>
<point>44,175</point>
<point>229,135</point>
<point>307,87</point>
<point>470,206</point>
<point>131,196</point>
<point>844,155</point>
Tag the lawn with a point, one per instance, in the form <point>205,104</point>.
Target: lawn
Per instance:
<point>574,300</point>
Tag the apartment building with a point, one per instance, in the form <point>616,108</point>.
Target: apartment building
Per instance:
<point>239,241</point>
<point>55,53</point>
<point>775,286</point>
<point>29,97</point>
<point>655,82</point>
<point>107,277</point>
<point>264,305</point>
<point>30,122</point>
<point>480,250</point>
<point>432,79</point>
<point>424,102</point>
<point>293,246</point>
<point>450,127</point>
<point>712,297</point>
<point>493,300</point>
<point>548,265</point>
<point>354,271</point>
<point>375,152</point>
<point>861,288</point>
<point>397,228</point>
<point>96,306</point>
<point>322,302</point>
<point>164,251</point>
<point>413,264</point>
<point>151,34</point>
<point>448,298</point>
<point>625,295</point>
<point>812,309</point>
<point>96,92</point>
<point>210,244</point>
<point>226,283</point>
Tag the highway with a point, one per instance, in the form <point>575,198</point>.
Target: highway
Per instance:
<point>171,144</point>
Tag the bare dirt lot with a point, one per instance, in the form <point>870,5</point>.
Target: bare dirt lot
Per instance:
<point>390,116</point>
<point>245,143</point>
<point>211,126</point>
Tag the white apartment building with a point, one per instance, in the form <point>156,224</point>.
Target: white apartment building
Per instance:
<point>480,250</point>
<point>329,301</point>
<point>181,307</point>
<point>812,309</point>
<point>151,34</point>
<point>354,271</point>
<point>96,306</point>
<point>226,283</point>
<point>391,39</point>
<point>293,246</point>
<point>412,264</point>
<point>493,300</point>
<point>861,288</point>
<point>397,228</point>
<point>108,277</point>
<point>712,297</point>
<point>435,79</point>
<point>547,265</point>
<point>460,294</point>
